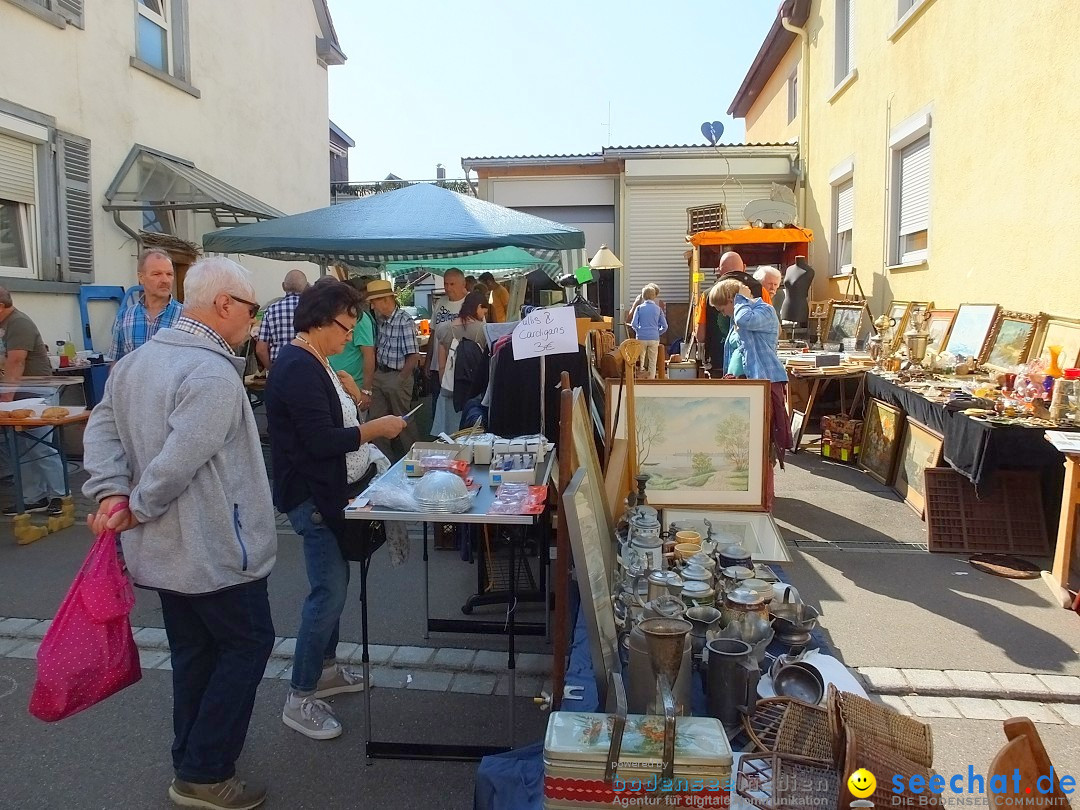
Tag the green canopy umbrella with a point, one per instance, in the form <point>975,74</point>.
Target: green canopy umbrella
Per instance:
<point>497,262</point>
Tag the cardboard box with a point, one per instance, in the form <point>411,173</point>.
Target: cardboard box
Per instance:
<point>524,476</point>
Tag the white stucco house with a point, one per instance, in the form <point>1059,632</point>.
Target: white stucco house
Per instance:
<point>170,117</point>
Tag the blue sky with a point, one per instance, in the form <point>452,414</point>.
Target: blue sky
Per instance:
<point>432,81</point>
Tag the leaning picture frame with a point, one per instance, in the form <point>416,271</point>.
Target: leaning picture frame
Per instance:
<point>939,325</point>
<point>587,539</point>
<point>1057,331</point>
<point>971,330</point>
<point>920,449</point>
<point>882,425</point>
<point>845,320</point>
<point>587,458</point>
<point>756,532</point>
<point>1010,340</point>
<point>703,443</point>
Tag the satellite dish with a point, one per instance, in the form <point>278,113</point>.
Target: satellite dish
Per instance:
<point>712,130</point>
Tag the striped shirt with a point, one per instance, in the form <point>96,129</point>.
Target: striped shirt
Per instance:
<point>194,327</point>
<point>134,326</point>
<point>277,323</point>
<point>395,340</point>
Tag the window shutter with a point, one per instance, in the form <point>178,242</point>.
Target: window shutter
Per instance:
<point>71,10</point>
<point>76,208</point>
<point>17,170</point>
<point>915,186</point>
<point>845,206</point>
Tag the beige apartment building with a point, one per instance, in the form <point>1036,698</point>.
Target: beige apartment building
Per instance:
<point>937,145</point>
<point>170,117</point>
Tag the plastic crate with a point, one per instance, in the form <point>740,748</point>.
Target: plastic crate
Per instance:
<point>705,218</point>
<point>1009,519</point>
<point>841,451</point>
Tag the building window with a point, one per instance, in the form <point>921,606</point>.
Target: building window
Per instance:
<point>154,38</point>
<point>793,95</point>
<point>57,12</point>
<point>845,39</point>
<point>912,220</point>
<point>46,213</point>
<point>903,7</point>
<point>844,217</point>
<point>18,207</point>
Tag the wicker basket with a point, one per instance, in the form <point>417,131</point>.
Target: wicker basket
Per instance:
<point>774,781</point>
<point>864,753</point>
<point>790,727</point>
<point>854,716</point>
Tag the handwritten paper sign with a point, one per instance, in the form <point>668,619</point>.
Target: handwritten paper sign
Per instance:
<point>545,331</point>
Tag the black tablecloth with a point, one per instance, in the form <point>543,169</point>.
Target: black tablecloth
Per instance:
<point>973,447</point>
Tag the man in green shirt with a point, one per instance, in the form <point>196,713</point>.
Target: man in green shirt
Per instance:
<point>24,355</point>
<point>357,359</point>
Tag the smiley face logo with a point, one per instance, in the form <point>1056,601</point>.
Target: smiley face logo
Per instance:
<point>861,783</point>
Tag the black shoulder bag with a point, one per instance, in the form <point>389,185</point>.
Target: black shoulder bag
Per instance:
<point>352,539</point>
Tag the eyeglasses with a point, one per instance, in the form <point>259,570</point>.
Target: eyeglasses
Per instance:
<point>253,308</point>
<point>348,329</point>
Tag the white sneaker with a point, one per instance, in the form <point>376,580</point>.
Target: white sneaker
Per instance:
<point>339,680</point>
<point>311,717</point>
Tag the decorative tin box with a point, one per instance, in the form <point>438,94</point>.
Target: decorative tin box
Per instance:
<point>575,755</point>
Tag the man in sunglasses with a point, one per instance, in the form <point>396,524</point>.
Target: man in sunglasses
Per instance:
<point>276,329</point>
<point>189,492</point>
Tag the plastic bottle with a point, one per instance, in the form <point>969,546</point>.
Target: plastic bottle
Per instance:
<point>69,352</point>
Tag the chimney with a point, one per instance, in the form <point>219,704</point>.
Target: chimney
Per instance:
<point>440,172</point>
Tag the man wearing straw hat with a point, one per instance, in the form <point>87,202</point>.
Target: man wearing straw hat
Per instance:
<point>396,356</point>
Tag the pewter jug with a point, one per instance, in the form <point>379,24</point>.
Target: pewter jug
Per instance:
<point>731,680</point>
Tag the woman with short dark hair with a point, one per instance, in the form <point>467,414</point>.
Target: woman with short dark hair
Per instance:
<point>320,453</point>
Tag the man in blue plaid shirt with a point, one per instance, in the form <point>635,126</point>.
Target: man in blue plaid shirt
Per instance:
<point>156,308</point>
<point>277,324</point>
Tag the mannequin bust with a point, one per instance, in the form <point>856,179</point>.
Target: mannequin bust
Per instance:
<point>797,282</point>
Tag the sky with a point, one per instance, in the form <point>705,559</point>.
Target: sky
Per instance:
<point>433,81</point>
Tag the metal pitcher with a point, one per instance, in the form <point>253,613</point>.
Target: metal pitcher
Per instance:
<point>732,680</point>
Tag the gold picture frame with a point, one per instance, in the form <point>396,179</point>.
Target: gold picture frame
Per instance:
<point>900,312</point>
<point>1010,340</point>
<point>882,431</point>
<point>920,449</point>
<point>1057,331</point>
<point>846,320</point>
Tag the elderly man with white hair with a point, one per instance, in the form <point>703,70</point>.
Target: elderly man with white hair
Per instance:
<point>176,465</point>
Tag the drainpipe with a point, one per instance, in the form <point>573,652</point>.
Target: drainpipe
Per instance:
<point>804,112</point>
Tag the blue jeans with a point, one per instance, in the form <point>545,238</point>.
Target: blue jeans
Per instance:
<point>320,618</point>
<point>41,470</point>
<point>220,643</point>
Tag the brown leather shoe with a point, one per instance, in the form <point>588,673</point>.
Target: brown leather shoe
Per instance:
<point>232,794</point>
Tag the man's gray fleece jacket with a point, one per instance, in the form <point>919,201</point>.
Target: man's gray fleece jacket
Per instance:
<point>175,432</point>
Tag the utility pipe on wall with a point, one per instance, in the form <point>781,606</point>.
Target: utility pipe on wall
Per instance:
<point>804,111</point>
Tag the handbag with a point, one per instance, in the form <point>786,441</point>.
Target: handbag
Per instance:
<point>447,379</point>
<point>352,539</point>
<point>88,652</point>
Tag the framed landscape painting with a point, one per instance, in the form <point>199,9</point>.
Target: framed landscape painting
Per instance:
<point>920,448</point>
<point>881,440</point>
<point>1010,340</point>
<point>845,321</point>
<point>970,329</point>
<point>940,323</point>
<point>703,443</point>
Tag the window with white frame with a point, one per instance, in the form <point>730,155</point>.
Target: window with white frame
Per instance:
<point>46,212</point>
<point>154,37</point>
<point>912,219</point>
<point>161,42</point>
<point>18,206</point>
<point>58,12</point>
<point>844,217</point>
<point>903,7</point>
<point>845,39</point>
<point>793,95</point>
